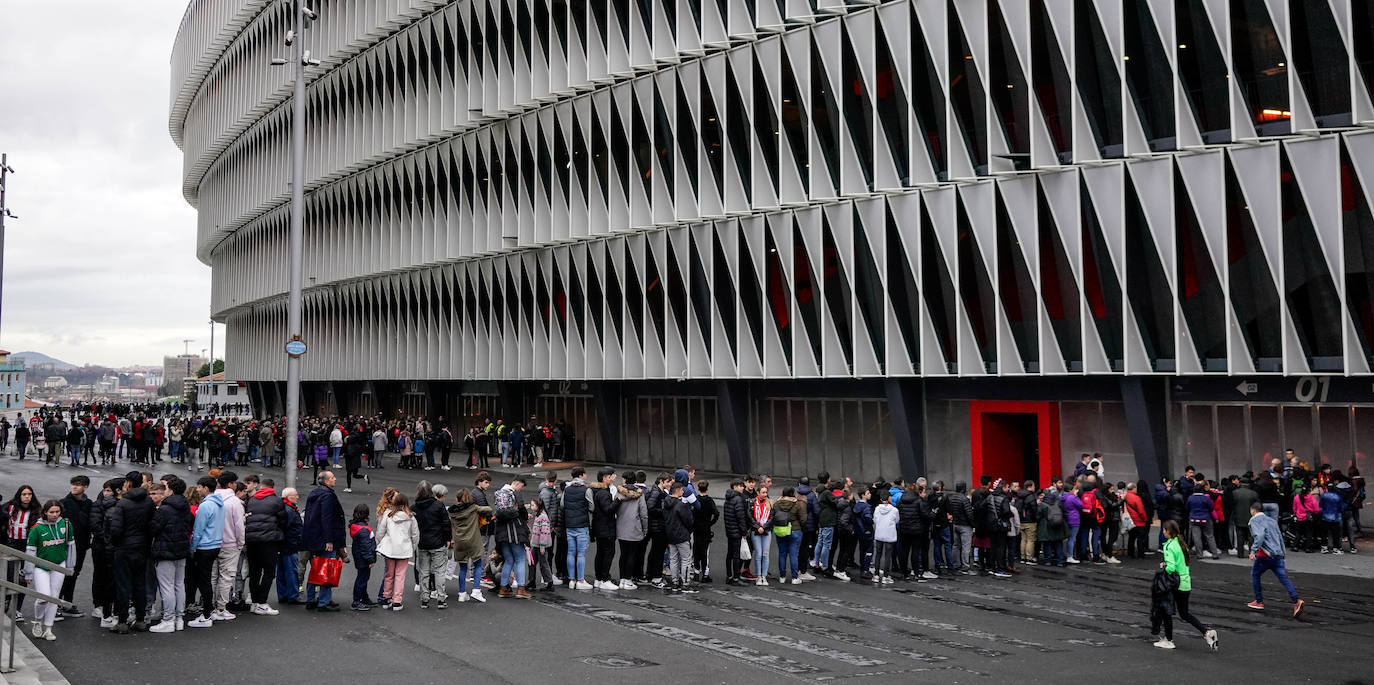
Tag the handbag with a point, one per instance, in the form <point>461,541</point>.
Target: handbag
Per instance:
<point>1127,522</point>
<point>325,571</point>
<point>745,553</point>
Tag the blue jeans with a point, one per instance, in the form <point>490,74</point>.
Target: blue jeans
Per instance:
<point>1071,543</point>
<point>360,584</point>
<point>1054,553</point>
<point>288,578</point>
<point>788,549</point>
<point>74,451</point>
<point>1095,534</point>
<point>253,452</point>
<point>761,545</point>
<point>824,538</point>
<point>514,554</point>
<point>325,594</point>
<point>1274,564</point>
<point>944,549</point>
<point>334,455</point>
<point>470,569</point>
<point>577,554</point>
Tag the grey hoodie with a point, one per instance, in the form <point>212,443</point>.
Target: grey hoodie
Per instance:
<point>631,515</point>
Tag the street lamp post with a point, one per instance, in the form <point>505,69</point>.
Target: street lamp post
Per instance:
<point>5,171</point>
<point>302,15</point>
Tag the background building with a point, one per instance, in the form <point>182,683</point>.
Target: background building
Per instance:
<point>182,366</point>
<point>907,237</point>
<point>12,382</point>
<point>216,390</point>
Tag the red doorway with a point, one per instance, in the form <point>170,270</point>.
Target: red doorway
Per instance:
<point>1017,440</point>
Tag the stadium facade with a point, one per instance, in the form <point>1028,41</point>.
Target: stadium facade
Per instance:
<point>917,236</point>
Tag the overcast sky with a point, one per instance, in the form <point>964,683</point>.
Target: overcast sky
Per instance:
<point>100,267</point>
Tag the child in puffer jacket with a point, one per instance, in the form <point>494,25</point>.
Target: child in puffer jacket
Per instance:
<point>885,518</point>
<point>541,546</point>
<point>364,556</point>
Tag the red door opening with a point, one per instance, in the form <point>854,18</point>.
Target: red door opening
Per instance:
<point>1014,440</point>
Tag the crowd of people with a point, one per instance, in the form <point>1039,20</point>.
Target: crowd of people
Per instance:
<point>169,554</point>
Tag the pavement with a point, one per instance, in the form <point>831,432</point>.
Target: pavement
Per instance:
<point>1038,626</point>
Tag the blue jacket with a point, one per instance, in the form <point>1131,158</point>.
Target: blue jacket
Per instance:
<point>894,493</point>
<point>689,493</point>
<point>1266,535</point>
<point>291,543</point>
<point>324,521</point>
<point>1332,507</point>
<point>209,530</point>
<point>1199,507</point>
<point>863,517</point>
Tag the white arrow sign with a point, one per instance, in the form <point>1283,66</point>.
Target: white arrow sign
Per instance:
<point>1246,387</point>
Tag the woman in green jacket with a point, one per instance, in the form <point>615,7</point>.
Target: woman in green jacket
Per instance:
<point>1176,560</point>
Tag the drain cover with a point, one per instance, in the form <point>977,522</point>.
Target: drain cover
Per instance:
<point>615,661</point>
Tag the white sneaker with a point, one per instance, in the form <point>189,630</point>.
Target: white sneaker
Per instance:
<point>200,622</point>
<point>1113,560</point>
<point>108,622</point>
<point>48,635</point>
<point>1071,560</point>
<point>37,629</point>
<point>582,585</point>
<point>429,468</point>
<point>418,590</point>
<point>841,575</point>
<point>348,489</point>
<point>164,627</point>
<point>266,610</point>
<point>796,581</point>
<point>539,465</point>
<point>181,623</point>
<point>887,580</point>
<point>807,577</point>
<point>763,582</point>
<point>1210,637</point>
<point>556,582</point>
<point>477,596</point>
<point>1234,551</point>
<point>929,576</point>
<point>1164,644</point>
<point>462,596</point>
<point>606,585</point>
<point>759,582</point>
<point>625,584</point>
<point>221,615</point>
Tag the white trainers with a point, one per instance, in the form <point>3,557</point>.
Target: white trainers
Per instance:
<point>181,623</point>
<point>583,585</point>
<point>200,622</point>
<point>1210,637</point>
<point>462,596</point>
<point>1071,560</point>
<point>1164,644</point>
<point>48,635</point>
<point>264,610</point>
<point>108,622</point>
<point>606,585</point>
<point>929,576</point>
<point>556,582</point>
<point>841,575</point>
<point>1113,560</point>
<point>625,584</point>
<point>446,468</point>
<point>221,615</point>
<point>477,596</point>
<point>758,582</point>
<point>418,589</point>
<point>164,627</point>
<point>348,489</point>
<point>796,581</point>
<point>37,629</point>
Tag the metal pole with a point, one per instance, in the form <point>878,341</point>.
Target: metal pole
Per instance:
<point>4,171</point>
<point>293,300</point>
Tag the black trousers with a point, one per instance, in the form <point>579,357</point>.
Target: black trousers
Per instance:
<point>605,554</point>
<point>997,552</point>
<point>844,555</point>
<point>627,558</point>
<point>808,548</point>
<point>447,452</point>
<point>701,544</point>
<point>69,583</point>
<point>732,560</point>
<point>262,569</point>
<point>658,546</point>
<point>102,581</point>
<point>1137,542</point>
<point>130,577</point>
<point>1181,605</point>
<point>202,567</point>
<point>560,555</point>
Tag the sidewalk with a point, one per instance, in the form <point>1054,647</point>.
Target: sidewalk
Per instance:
<point>1359,565</point>
<point>30,666</point>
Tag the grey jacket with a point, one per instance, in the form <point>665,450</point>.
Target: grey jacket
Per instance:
<point>631,515</point>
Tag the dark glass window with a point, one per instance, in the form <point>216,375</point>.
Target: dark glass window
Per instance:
<point>1147,285</point>
<point>794,120</point>
<point>600,159</point>
<point>838,297</point>
<point>966,94</point>
<point>858,109</point>
<point>470,300</point>
<point>750,293</point>
<point>737,127</point>
<point>825,115</point>
<point>626,167</point>
<point>975,287</point>
<point>643,145</point>
<point>1149,77</point>
<point>892,107</point>
<point>577,10</point>
<point>1050,74</point>
<point>1017,290</point>
<point>1101,286</point>
<point>1201,294</point>
<point>656,292</point>
<point>677,292</point>
<point>541,26</point>
<point>928,96</point>
<point>724,288</point>
<point>805,286</point>
<point>1254,295</point>
<point>513,301</point>
<point>1259,67</point>
<point>1311,292</point>
<point>1321,61</point>
<point>598,8</point>
<point>686,139</point>
<point>615,301</point>
<point>1363,15</point>
<point>701,290</point>
<point>712,134</point>
<point>634,297</point>
<point>901,288</point>
<point>1058,289</point>
<point>541,297</point>
<point>1358,221</point>
<point>580,160</point>
<point>663,144</point>
<point>577,300</point>
<point>868,290</point>
<point>779,295</point>
<point>1098,81</point>
<point>939,290</point>
<point>765,126</point>
<point>1007,83</point>
<point>543,149</point>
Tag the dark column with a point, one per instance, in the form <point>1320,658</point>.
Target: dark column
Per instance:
<point>906,401</point>
<point>1147,420</point>
<point>607,399</point>
<point>734,398</point>
<point>512,396</point>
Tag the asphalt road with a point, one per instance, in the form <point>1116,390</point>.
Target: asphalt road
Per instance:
<point>1041,626</point>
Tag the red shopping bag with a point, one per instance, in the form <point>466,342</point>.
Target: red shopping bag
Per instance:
<point>325,571</point>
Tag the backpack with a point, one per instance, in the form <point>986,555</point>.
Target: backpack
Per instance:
<point>1099,512</point>
<point>1055,516</point>
<point>782,523</point>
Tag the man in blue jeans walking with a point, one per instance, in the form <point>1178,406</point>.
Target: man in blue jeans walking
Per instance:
<point>1267,552</point>
<point>324,534</point>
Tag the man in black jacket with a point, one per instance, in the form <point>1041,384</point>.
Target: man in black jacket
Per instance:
<point>678,520</point>
<point>603,527</point>
<point>169,548</point>
<point>431,516</point>
<point>264,529</point>
<point>126,530</point>
<point>658,537</point>
<point>288,560</point>
<point>704,520</point>
<point>76,508</point>
<point>736,529</point>
<point>961,522</point>
<point>913,530</point>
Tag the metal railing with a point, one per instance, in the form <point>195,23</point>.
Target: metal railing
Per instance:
<point>10,558</point>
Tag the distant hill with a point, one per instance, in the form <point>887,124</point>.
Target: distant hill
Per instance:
<point>35,358</point>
